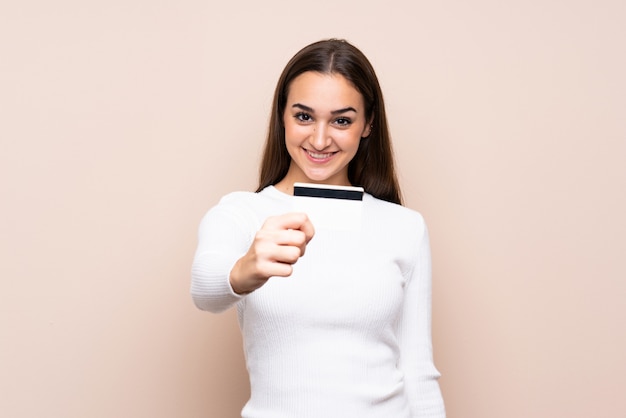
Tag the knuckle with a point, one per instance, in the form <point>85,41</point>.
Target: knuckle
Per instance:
<point>298,237</point>
<point>296,252</point>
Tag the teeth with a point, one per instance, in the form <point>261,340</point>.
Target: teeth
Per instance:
<point>319,156</point>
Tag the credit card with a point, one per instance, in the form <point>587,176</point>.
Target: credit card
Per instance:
<point>337,208</point>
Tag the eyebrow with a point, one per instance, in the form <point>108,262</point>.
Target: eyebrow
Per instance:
<point>334,112</point>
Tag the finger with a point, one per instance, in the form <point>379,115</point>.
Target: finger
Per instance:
<point>287,254</point>
<point>278,269</point>
<point>266,240</point>
<point>308,230</point>
<point>293,237</point>
<point>291,220</point>
<point>271,250</point>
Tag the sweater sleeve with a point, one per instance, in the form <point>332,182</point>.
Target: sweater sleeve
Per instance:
<point>224,236</point>
<point>416,354</point>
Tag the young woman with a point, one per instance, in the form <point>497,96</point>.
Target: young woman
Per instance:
<point>335,323</point>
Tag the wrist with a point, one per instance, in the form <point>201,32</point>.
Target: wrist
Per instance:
<point>234,281</point>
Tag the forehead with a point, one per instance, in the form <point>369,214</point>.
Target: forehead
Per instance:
<point>323,91</point>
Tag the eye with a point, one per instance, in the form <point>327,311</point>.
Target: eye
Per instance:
<point>343,121</point>
<point>303,117</point>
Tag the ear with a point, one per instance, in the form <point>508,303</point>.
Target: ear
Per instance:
<point>368,128</point>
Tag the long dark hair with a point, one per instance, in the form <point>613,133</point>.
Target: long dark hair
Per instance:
<point>372,167</point>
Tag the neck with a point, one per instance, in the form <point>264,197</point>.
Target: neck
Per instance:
<point>285,187</point>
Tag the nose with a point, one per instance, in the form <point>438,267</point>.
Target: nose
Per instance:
<point>320,138</point>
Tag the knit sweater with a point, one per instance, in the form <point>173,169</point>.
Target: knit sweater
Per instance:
<point>348,334</point>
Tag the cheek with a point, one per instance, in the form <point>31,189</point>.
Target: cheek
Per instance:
<point>295,132</point>
<point>351,139</point>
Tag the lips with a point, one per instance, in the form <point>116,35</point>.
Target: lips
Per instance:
<point>319,155</point>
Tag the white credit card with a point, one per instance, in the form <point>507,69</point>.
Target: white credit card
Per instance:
<point>330,207</point>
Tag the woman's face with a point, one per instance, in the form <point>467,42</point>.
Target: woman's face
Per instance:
<point>324,122</point>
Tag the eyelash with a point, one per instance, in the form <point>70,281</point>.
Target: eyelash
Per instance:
<point>305,117</point>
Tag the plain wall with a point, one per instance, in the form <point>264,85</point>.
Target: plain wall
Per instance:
<point>122,122</point>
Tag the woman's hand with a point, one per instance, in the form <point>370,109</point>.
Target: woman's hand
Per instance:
<point>279,243</point>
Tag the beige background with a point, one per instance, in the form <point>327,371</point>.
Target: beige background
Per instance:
<point>122,122</point>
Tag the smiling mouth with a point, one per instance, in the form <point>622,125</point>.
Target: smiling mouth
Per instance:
<point>319,155</point>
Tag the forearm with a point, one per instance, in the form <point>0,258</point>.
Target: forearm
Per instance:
<point>210,286</point>
<point>223,237</point>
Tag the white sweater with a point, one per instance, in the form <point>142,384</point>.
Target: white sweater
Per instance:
<point>348,334</point>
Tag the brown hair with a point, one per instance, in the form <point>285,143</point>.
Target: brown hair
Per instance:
<point>372,167</point>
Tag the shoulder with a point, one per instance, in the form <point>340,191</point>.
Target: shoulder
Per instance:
<point>233,204</point>
<point>250,207</point>
<point>393,215</point>
<point>238,198</point>
<point>268,199</point>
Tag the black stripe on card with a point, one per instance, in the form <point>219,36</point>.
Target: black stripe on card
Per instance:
<point>328,193</point>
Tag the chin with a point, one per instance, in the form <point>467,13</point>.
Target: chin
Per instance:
<point>323,179</point>
<point>316,180</point>
<point>317,175</point>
